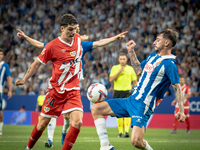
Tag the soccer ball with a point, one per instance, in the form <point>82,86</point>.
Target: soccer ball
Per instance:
<point>97,93</point>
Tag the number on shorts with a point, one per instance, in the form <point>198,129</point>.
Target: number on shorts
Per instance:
<point>51,103</point>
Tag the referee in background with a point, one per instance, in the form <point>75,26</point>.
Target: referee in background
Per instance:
<point>123,76</point>
<point>40,101</point>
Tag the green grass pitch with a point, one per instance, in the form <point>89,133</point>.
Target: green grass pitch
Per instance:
<point>16,138</point>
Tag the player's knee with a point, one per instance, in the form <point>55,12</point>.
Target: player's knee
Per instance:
<point>95,110</point>
<point>136,143</point>
<point>66,116</point>
<point>41,127</point>
<point>77,124</point>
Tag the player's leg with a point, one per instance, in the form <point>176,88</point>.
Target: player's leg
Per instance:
<point>99,111</point>
<point>1,114</point>
<point>120,123</point>
<point>37,131</point>
<point>187,120</point>
<point>50,132</point>
<point>65,127</point>
<point>127,124</point>
<point>73,106</point>
<point>127,120</point>
<point>1,121</point>
<point>76,117</point>
<point>175,124</point>
<point>137,138</point>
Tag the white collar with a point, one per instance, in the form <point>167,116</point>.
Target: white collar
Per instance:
<point>1,63</point>
<point>66,42</point>
<point>168,57</point>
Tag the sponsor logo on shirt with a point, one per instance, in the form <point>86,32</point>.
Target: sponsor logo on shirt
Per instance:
<point>73,53</point>
<point>149,68</point>
<point>63,50</point>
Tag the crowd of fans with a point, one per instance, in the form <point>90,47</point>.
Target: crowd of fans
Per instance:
<point>143,19</point>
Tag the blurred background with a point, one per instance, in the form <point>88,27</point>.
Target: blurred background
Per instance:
<point>99,19</point>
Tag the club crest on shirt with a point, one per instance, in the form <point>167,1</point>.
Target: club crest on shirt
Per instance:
<point>149,68</point>
<point>73,53</point>
<point>158,63</point>
<point>46,109</point>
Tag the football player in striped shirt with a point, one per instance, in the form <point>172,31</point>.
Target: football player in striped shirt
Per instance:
<point>156,73</point>
<point>4,75</point>
<point>87,47</point>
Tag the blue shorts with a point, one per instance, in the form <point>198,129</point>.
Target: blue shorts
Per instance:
<point>129,107</point>
<point>1,101</point>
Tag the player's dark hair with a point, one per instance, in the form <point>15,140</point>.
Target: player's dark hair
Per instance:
<point>181,76</point>
<point>122,54</point>
<point>68,19</point>
<point>1,50</point>
<point>170,35</point>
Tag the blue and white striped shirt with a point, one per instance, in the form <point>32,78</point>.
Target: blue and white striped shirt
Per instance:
<point>159,72</point>
<point>4,73</point>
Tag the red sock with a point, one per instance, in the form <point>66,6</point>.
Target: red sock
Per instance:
<point>187,123</point>
<point>70,138</point>
<point>175,124</point>
<point>35,135</point>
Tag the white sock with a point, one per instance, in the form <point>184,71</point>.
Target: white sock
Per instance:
<point>148,147</point>
<point>101,131</point>
<point>66,125</point>
<point>1,126</point>
<point>51,128</point>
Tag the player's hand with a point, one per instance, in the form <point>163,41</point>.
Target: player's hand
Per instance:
<point>121,35</point>
<point>122,69</point>
<point>84,38</point>
<point>130,45</point>
<point>180,116</point>
<point>19,82</point>
<point>173,103</point>
<point>21,34</point>
<point>9,94</point>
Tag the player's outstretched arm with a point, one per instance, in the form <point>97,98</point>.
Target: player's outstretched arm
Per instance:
<point>9,83</point>
<point>84,38</point>
<point>31,41</point>
<point>31,71</point>
<point>109,40</point>
<point>179,99</point>
<point>134,61</point>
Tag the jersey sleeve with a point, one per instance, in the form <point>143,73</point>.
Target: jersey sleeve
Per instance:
<point>46,54</point>
<point>45,44</point>
<point>8,73</point>
<point>172,72</point>
<point>113,71</point>
<point>87,46</point>
<point>188,90</point>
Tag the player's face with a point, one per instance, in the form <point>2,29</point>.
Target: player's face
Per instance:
<point>159,43</point>
<point>123,60</point>
<point>69,32</point>
<point>1,56</point>
<point>182,81</point>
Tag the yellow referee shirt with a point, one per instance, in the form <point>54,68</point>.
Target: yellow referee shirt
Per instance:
<point>124,79</point>
<point>40,99</point>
